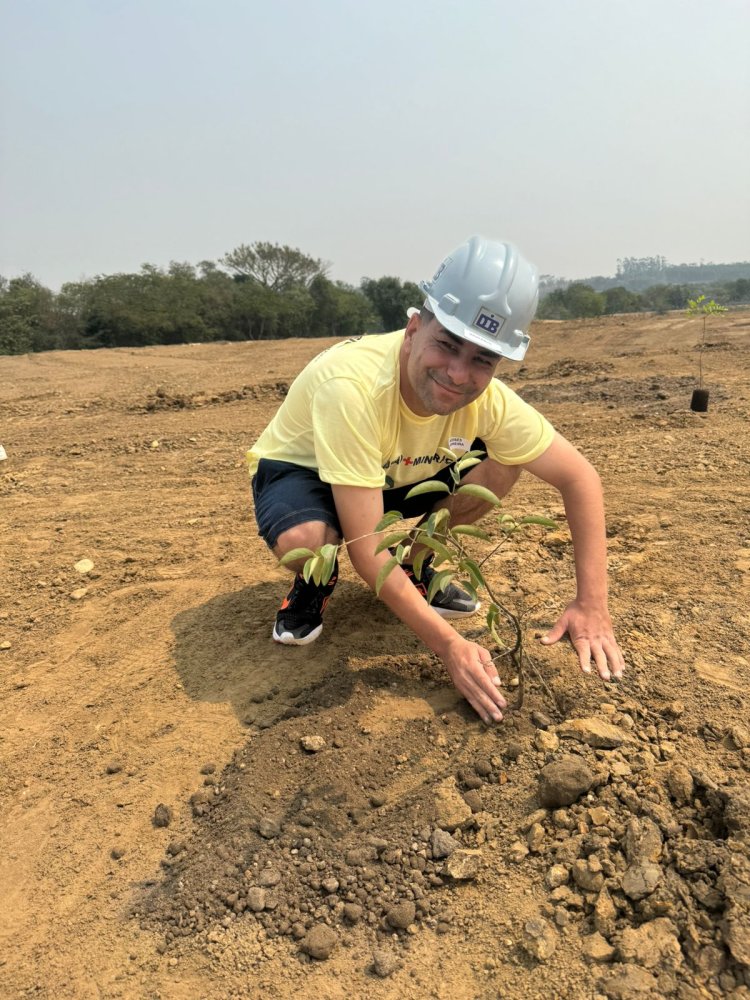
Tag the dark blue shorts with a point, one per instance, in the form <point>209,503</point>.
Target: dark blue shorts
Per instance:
<point>286,495</point>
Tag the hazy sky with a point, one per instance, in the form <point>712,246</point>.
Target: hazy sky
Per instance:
<point>375,135</point>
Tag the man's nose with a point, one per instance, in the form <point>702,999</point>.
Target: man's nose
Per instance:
<point>459,371</point>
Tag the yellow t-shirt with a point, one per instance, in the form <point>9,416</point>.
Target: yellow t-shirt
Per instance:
<point>345,417</point>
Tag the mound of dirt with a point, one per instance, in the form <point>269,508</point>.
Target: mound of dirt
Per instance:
<point>378,829</point>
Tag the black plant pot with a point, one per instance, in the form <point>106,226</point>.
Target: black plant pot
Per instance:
<point>699,402</point>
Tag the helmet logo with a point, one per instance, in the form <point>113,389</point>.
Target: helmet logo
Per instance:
<point>488,322</point>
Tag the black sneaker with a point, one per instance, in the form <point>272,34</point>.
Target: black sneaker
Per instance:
<point>451,602</point>
<point>300,617</point>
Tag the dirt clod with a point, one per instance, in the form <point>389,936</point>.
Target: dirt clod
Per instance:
<point>402,915</point>
<point>442,843</point>
<point>641,879</point>
<point>162,815</point>
<point>594,732</point>
<point>653,944</point>
<point>540,939</point>
<point>312,743</point>
<point>463,866</point>
<point>629,981</point>
<point>319,942</point>
<point>563,782</point>
<point>596,948</point>
<point>384,963</point>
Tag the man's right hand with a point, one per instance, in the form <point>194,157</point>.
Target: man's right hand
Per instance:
<point>469,665</point>
<point>474,675</point>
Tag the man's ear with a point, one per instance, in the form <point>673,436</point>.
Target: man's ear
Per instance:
<point>413,325</point>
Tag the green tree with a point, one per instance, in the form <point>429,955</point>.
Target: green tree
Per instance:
<point>27,316</point>
<point>71,310</point>
<point>553,306</point>
<point>582,301</point>
<point>390,298</point>
<point>277,267</point>
<point>256,312</point>
<point>152,307</point>
<point>338,309</point>
<point>574,302</point>
<point>620,300</point>
<point>739,290</point>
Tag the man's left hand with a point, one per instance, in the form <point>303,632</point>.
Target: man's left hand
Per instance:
<point>590,632</point>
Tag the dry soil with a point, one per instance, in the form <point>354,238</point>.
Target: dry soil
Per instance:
<point>165,833</point>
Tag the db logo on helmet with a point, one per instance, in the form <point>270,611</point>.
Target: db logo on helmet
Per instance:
<point>487,322</point>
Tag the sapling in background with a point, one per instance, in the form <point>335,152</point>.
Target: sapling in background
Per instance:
<point>701,307</point>
<point>447,544</point>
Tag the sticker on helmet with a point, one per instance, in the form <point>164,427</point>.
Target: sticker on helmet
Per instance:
<point>488,322</point>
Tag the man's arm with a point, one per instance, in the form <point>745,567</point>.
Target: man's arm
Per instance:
<point>586,619</point>
<point>469,665</point>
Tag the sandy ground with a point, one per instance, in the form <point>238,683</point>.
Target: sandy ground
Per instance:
<point>152,677</point>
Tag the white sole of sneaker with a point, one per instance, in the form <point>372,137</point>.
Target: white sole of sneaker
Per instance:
<point>287,639</point>
<point>446,613</point>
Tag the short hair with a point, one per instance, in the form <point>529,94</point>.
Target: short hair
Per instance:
<point>426,315</point>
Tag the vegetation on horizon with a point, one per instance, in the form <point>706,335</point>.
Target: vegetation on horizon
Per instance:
<point>579,300</point>
<point>265,291</point>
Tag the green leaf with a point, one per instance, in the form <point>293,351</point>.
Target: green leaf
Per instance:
<point>312,566</point>
<point>471,529</point>
<point>467,462</point>
<point>437,547</point>
<point>464,583</point>
<point>538,519</point>
<point>395,538</point>
<point>385,570</point>
<point>492,626</point>
<point>429,486</point>
<point>448,453</point>
<point>438,582</point>
<point>328,554</point>
<point>472,568</point>
<point>388,519</point>
<point>436,523</point>
<point>294,554</point>
<point>480,492</point>
<point>419,561</point>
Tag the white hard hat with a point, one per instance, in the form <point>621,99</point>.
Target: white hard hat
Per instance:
<point>487,293</point>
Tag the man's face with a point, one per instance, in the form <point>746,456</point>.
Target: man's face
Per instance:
<point>440,372</point>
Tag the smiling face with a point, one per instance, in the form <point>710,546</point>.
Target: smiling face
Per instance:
<point>440,372</point>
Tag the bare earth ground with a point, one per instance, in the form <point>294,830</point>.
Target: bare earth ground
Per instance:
<point>152,680</point>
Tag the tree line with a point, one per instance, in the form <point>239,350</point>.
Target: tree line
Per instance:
<point>579,300</point>
<point>263,291</point>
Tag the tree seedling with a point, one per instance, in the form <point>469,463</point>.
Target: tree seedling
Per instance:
<point>435,538</point>
<point>701,307</point>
